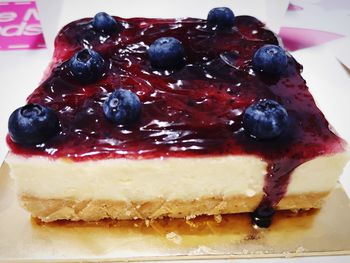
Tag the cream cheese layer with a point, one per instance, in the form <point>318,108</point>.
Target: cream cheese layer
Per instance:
<point>168,178</point>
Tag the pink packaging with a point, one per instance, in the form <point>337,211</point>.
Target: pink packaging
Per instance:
<point>20,26</point>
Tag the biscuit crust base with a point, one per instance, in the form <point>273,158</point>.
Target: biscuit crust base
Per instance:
<point>48,210</point>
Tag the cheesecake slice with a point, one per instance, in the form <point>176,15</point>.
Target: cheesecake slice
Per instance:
<point>147,118</point>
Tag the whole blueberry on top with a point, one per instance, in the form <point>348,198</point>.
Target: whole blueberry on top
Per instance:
<point>122,107</point>
<point>271,59</point>
<point>33,124</point>
<point>166,53</point>
<point>87,66</point>
<point>104,23</point>
<point>265,119</point>
<point>221,18</point>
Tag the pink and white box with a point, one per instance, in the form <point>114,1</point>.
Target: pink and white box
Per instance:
<point>20,26</point>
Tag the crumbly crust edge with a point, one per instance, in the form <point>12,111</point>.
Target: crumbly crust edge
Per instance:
<point>49,210</point>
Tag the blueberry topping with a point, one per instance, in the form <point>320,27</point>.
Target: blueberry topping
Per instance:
<point>270,59</point>
<point>104,23</point>
<point>166,53</point>
<point>221,18</point>
<point>87,66</point>
<point>122,107</point>
<point>262,216</point>
<point>265,119</point>
<point>33,124</point>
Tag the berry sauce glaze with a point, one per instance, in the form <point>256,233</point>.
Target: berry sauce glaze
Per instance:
<point>195,111</point>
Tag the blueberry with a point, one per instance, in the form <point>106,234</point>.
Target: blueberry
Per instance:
<point>104,23</point>
<point>265,119</point>
<point>262,216</point>
<point>122,107</point>
<point>270,59</point>
<point>87,66</point>
<point>166,53</point>
<point>221,18</point>
<point>33,124</point>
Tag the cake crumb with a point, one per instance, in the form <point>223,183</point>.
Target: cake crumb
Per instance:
<point>245,251</point>
<point>218,218</point>
<point>202,250</point>
<point>287,254</point>
<point>172,236</point>
<point>295,211</point>
<point>190,217</point>
<point>300,250</point>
